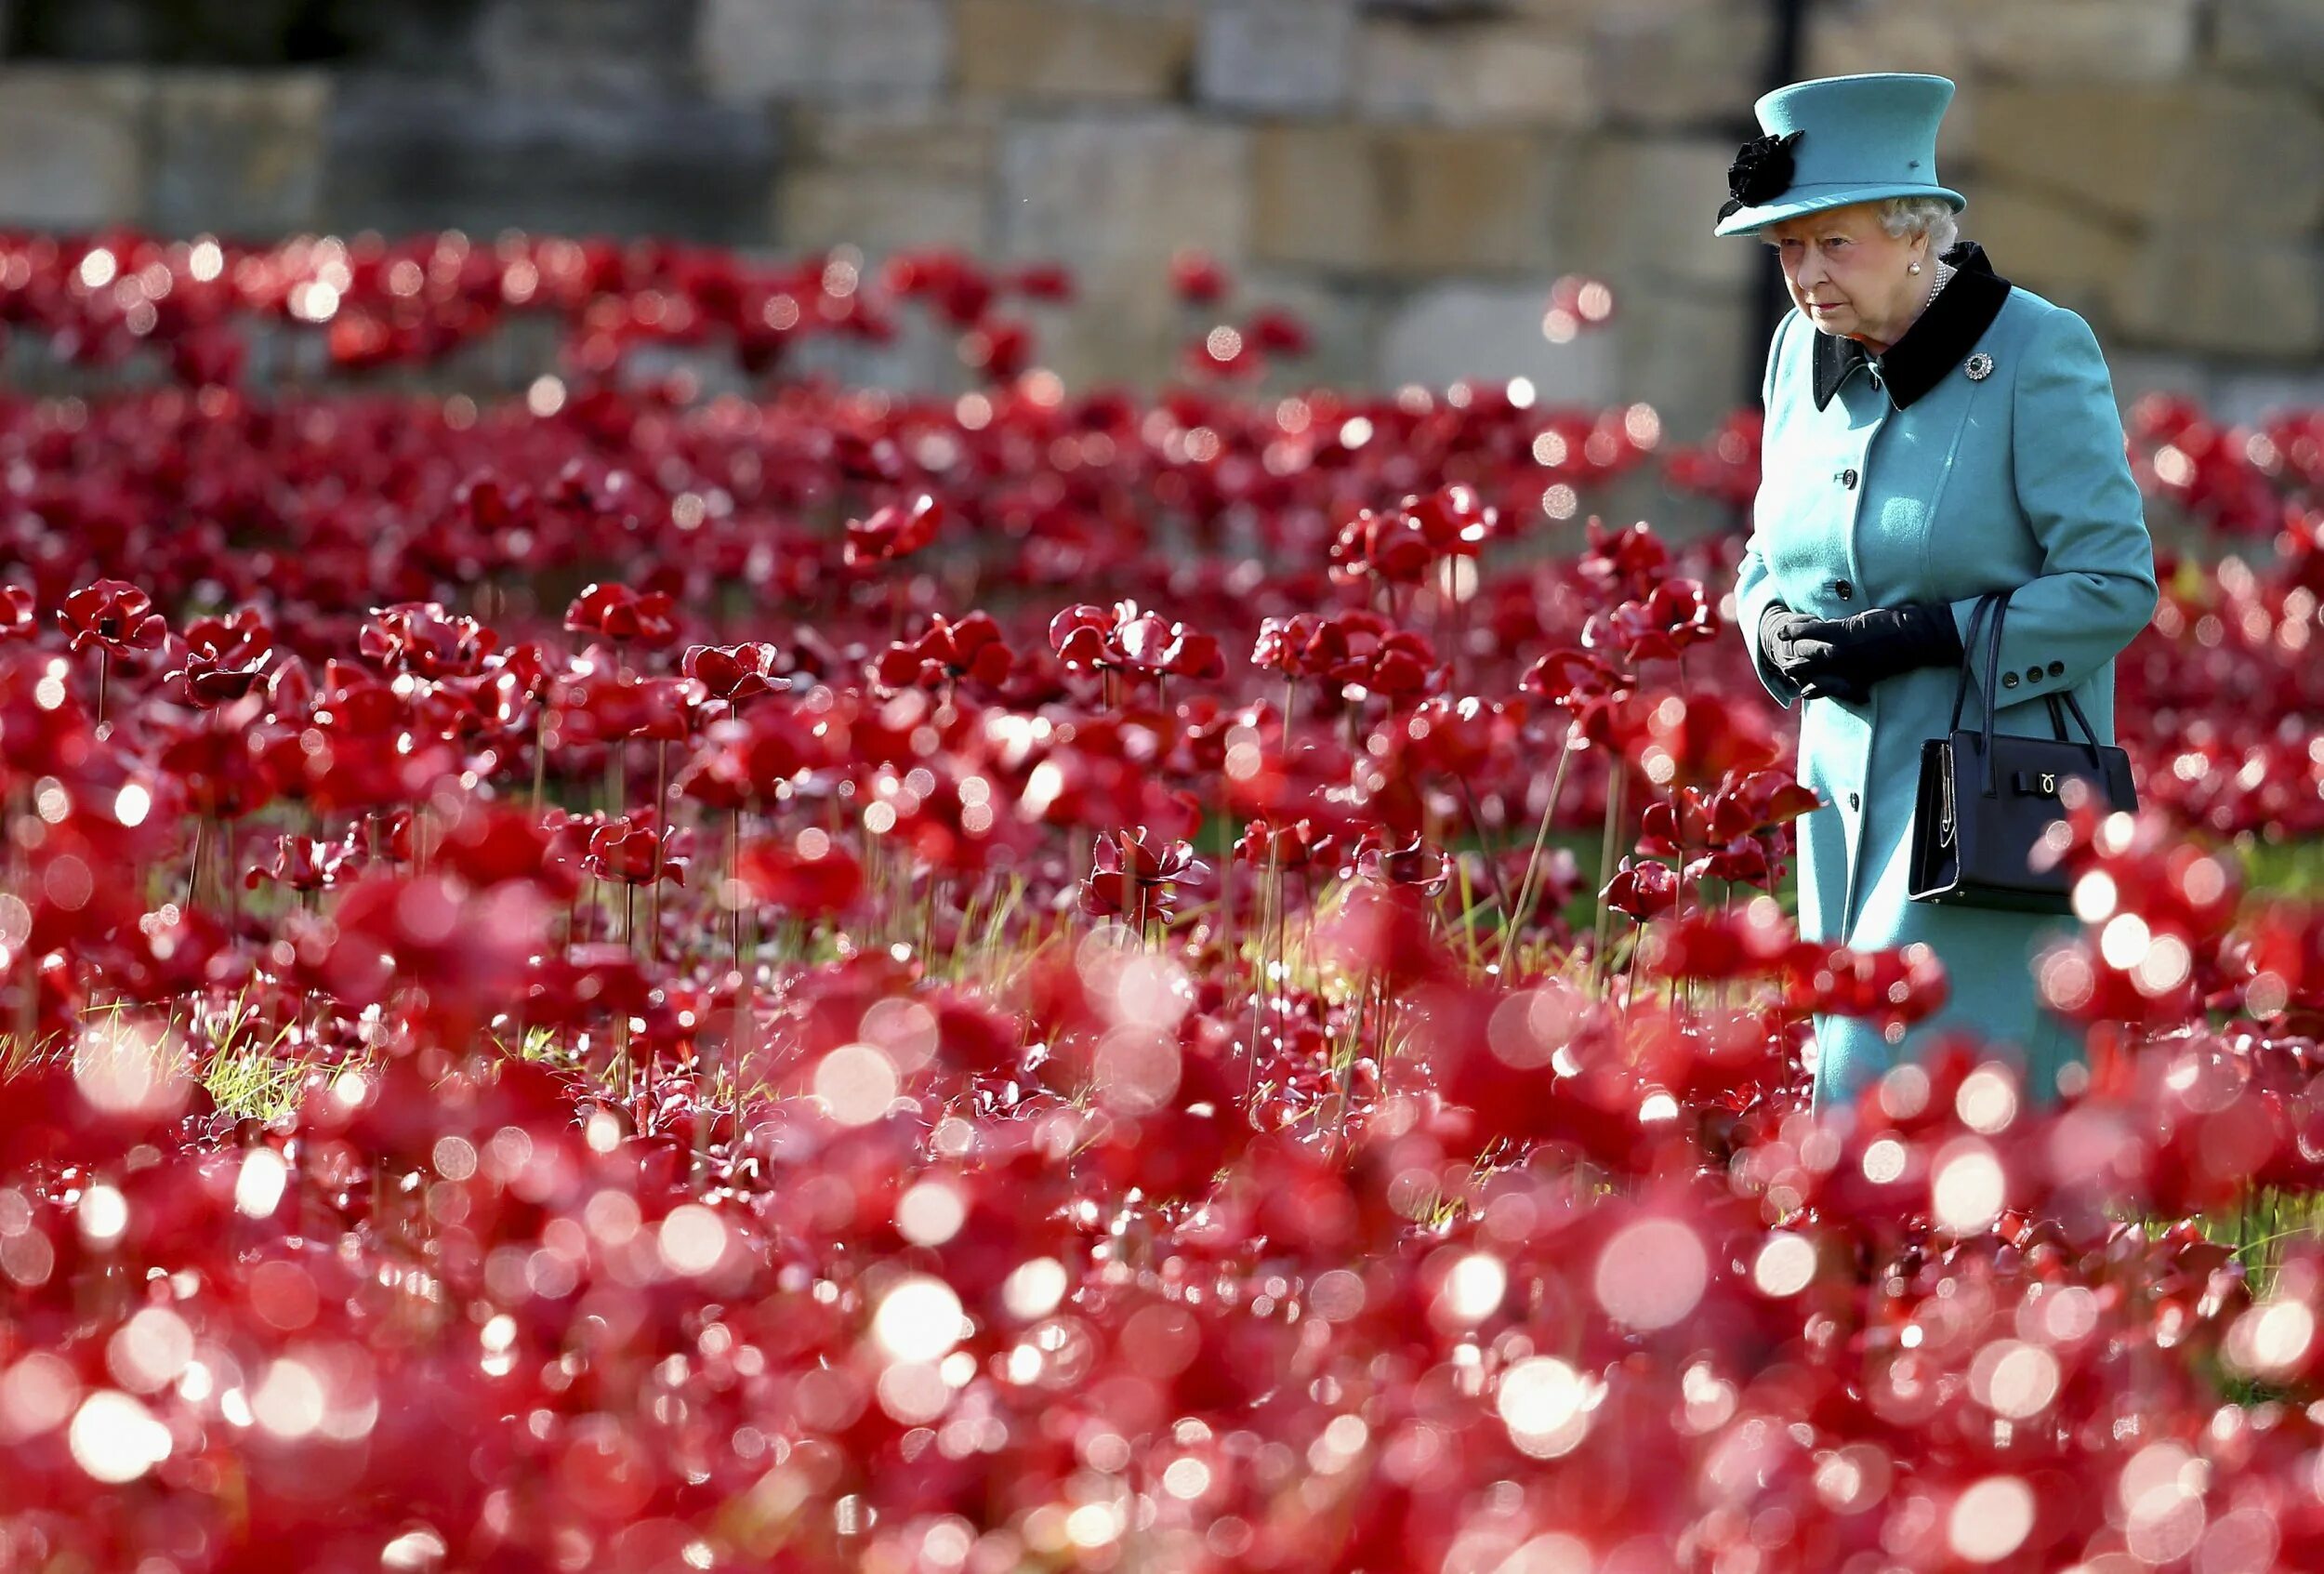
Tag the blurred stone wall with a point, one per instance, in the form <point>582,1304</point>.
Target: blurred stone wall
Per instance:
<point>1408,174</point>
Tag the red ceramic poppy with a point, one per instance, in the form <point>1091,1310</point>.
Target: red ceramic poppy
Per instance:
<point>112,614</point>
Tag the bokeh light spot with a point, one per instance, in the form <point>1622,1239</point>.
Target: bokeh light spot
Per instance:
<point>113,1438</point>
<point>1967,1186</point>
<point>1785,1266</point>
<point>1652,1273</point>
<point>918,1320</point>
<point>1991,1519</point>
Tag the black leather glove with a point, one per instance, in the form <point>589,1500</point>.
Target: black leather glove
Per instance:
<point>1799,645</point>
<point>1883,641</point>
<point>1841,658</point>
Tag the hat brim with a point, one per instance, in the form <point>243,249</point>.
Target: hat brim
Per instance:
<point>1808,199</point>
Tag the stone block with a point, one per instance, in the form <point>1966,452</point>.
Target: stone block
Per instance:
<point>1572,15</point>
<point>1436,12</point>
<point>922,357</point>
<point>752,50</point>
<point>1872,35</point>
<point>1868,36</point>
<point>2062,252</point>
<point>210,33</point>
<point>2242,397</point>
<point>74,158</point>
<point>1678,63</point>
<point>406,154</point>
<point>2239,295</point>
<point>1276,56</point>
<point>1111,197</point>
<point>1068,50</point>
<point>1404,200</point>
<point>2136,373</point>
<point>1568,14</point>
<point>420,38</point>
<point>238,153</point>
<point>956,140</point>
<point>627,49</point>
<point>879,211</point>
<point>1484,330</point>
<point>2125,41</point>
<point>1343,324</point>
<point>1124,190</point>
<point>1694,357</point>
<point>1475,73</point>
<point>889,176</point>
<point>2283,39</point>
<point>2184,157</point>
<point>1643,208</point>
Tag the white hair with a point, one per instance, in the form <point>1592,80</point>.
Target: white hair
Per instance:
<point>1904,216</point>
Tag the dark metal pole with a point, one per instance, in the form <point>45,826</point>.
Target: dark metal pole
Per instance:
<point>1772,300</point>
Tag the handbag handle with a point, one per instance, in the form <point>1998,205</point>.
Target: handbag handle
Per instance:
<point>2000,600</point>
<point>1969,664</point>
<point>1992,673</point>
<point>2057,721</point>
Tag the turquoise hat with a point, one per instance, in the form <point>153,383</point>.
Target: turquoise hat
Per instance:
<point>1836,140</point>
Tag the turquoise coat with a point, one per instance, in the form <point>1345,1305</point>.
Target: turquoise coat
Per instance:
<point>1983,451</point>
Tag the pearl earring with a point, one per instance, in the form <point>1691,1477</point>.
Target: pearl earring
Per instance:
<point>1914,269</point>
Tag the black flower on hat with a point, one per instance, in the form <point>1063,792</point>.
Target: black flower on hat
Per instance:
<point>1761,173</point>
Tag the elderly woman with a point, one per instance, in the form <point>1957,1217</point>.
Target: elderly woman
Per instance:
<point>1932,432</point>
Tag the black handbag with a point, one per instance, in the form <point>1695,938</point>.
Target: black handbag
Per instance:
<point>1985,799</point>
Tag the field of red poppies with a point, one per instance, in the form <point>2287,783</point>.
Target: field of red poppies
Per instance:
<point>597,974</point>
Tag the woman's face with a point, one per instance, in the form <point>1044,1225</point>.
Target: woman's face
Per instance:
<point>1848,275</point>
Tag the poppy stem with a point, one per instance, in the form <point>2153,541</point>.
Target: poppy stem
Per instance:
<point>1603,935</point>
<point>621,1020</point>
<point>1380,1008</point>
<point>661,835</point>
<point>1225,927</point>
<point>194,873</point>
<point>104,671</point>
<point>1269,899</point>
<point>1484,841</point>
<point>26,970</point>
<point>1454,609</point>
<point>1366,1015</point>
<point>1719,988</point>
<point>1522,911</point>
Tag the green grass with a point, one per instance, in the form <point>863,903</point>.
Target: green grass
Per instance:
<point>2283,869</point>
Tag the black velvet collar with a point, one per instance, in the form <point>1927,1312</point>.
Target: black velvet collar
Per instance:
<point>1945,331</point>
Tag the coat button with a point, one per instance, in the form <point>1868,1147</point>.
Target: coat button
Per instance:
<point>1848,478</point>
<point>1855,802</point>
<point>2033,673</point>
<point>2057,668</point>
<point>2008,679</point>
<point>1841,588</point>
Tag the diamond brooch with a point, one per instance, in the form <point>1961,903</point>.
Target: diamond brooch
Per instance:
<point>1980,366</point>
